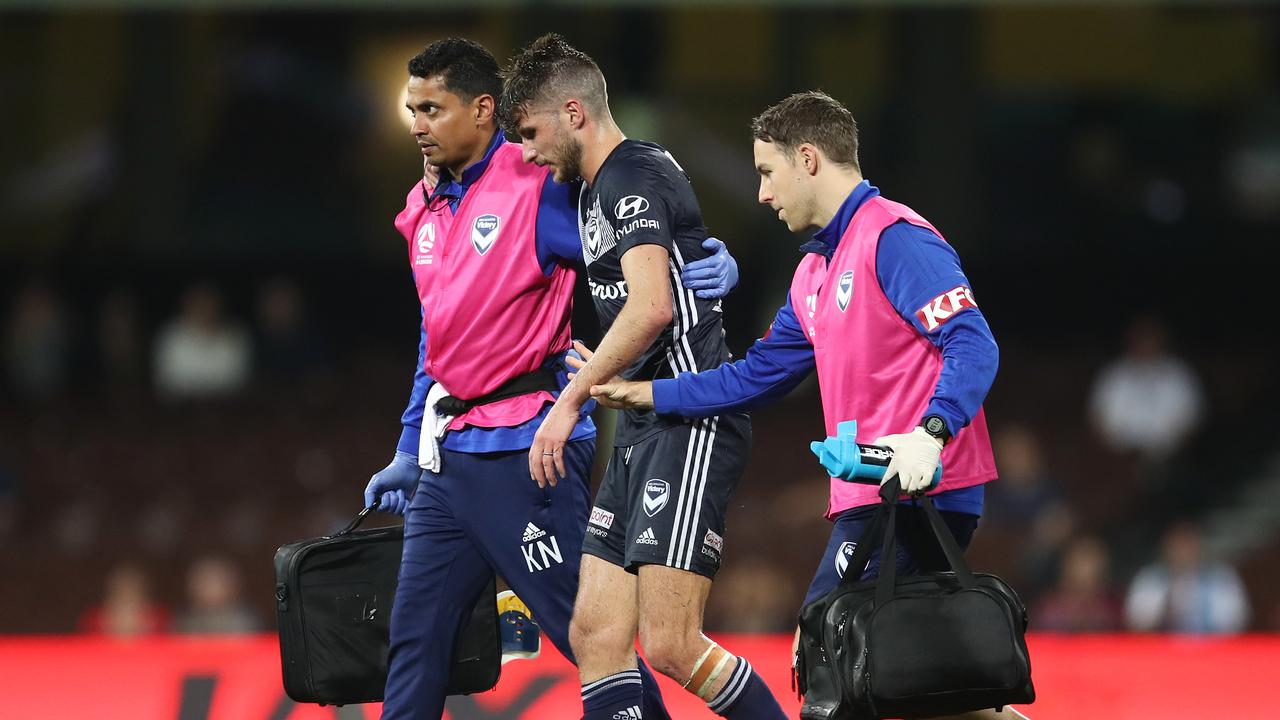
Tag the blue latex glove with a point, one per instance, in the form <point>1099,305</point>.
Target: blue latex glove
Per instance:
<point>843,457</point>
<point>392,488</point>
<point>714,276</point>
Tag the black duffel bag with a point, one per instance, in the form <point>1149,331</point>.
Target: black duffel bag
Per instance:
<point>914,647</point>
<point>333,604</point>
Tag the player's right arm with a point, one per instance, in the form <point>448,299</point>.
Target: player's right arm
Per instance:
<point>772,367</point>
<point>645,315</point>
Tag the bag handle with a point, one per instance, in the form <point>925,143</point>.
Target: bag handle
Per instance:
<point>955,556</point>
<point>885,523</point>
<point>862,551</point>
<point>354,523</point>
<point>888,576</point>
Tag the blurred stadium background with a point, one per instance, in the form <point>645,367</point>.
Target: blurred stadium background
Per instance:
<point>207,330</point>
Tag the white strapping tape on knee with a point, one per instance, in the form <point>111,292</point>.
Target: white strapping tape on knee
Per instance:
<point>725,657</point>
<point>705,654</point>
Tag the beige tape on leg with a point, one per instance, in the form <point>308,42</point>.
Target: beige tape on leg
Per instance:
<point>707,670</point>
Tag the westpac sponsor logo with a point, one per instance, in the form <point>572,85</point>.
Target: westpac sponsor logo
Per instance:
<point>844,290</point>
<point>946,306</point>
<point>600,517</point>
<point>656,494</point>
<point>484,231</point>
<point>608,291</point>
<point>630,206</point>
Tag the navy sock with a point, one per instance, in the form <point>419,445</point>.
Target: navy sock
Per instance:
<point>613,697</point>
<point>746,697</point>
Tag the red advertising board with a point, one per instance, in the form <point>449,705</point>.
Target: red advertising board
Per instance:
<point>239,679</point>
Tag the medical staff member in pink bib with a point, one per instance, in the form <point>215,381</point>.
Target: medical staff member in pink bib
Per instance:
<point>493,245</point>
<point>881,309</point>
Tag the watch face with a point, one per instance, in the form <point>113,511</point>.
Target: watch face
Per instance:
<point>934,425</point>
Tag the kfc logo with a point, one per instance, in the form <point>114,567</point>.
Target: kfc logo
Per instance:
<point>942,308</point>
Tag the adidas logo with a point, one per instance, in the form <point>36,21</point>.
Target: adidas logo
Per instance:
<point>532,532</point>
<point>631,713</point>
<point>647,537</point>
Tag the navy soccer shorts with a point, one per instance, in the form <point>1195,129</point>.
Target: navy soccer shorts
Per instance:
<point>663,500</point>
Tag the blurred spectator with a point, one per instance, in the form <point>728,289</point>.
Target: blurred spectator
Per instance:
<point>1252,167</point>
<point>1026,506</point>
<point>1147,401</point>
<point>200,353</point>
<point>215,603</point>
<point>127,609</point>
<point>8,501</point>
<point>120,350</point>
<point>752,595</point>
<point>1026,489</point>
<point>36,342</point>
<point>76,527</point>
<point>1184,593</point>
<point>1083,600</point>
<point>287,346</point>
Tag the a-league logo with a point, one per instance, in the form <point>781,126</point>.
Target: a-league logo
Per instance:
<point>656,494</point>
<point>844,290</point>
<point>484,231</point>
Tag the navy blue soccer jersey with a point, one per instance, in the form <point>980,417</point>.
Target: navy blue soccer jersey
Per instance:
<point>641,196</point>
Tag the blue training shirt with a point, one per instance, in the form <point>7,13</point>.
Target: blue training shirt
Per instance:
<point>913,266</point>
<point>556,241</point>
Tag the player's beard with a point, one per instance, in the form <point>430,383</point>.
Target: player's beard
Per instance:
<point>568,157</point>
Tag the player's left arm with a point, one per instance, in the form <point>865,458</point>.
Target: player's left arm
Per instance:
<point>921,276</point>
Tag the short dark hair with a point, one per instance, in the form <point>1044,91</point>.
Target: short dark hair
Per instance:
<point>468,69</point>
<point>549,68</point>
<point>811,117</point>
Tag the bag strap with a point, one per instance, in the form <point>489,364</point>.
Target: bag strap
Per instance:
<point>354,523</point>
<point>955,556</point>
<point>888,576</point>
<point>862,551</point>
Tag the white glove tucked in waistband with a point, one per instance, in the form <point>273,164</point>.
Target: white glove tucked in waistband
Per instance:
<point>434,426</point>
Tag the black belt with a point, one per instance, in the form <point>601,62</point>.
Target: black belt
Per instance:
<point>540,379</point>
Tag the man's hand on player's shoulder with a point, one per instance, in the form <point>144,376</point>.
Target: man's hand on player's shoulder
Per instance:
<point>713,276</point>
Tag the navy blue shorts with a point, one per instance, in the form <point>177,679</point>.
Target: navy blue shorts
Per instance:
<point>663,500</point>
<point>918,550</point>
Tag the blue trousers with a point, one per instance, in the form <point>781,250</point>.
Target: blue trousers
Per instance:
<point>483,514</point>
